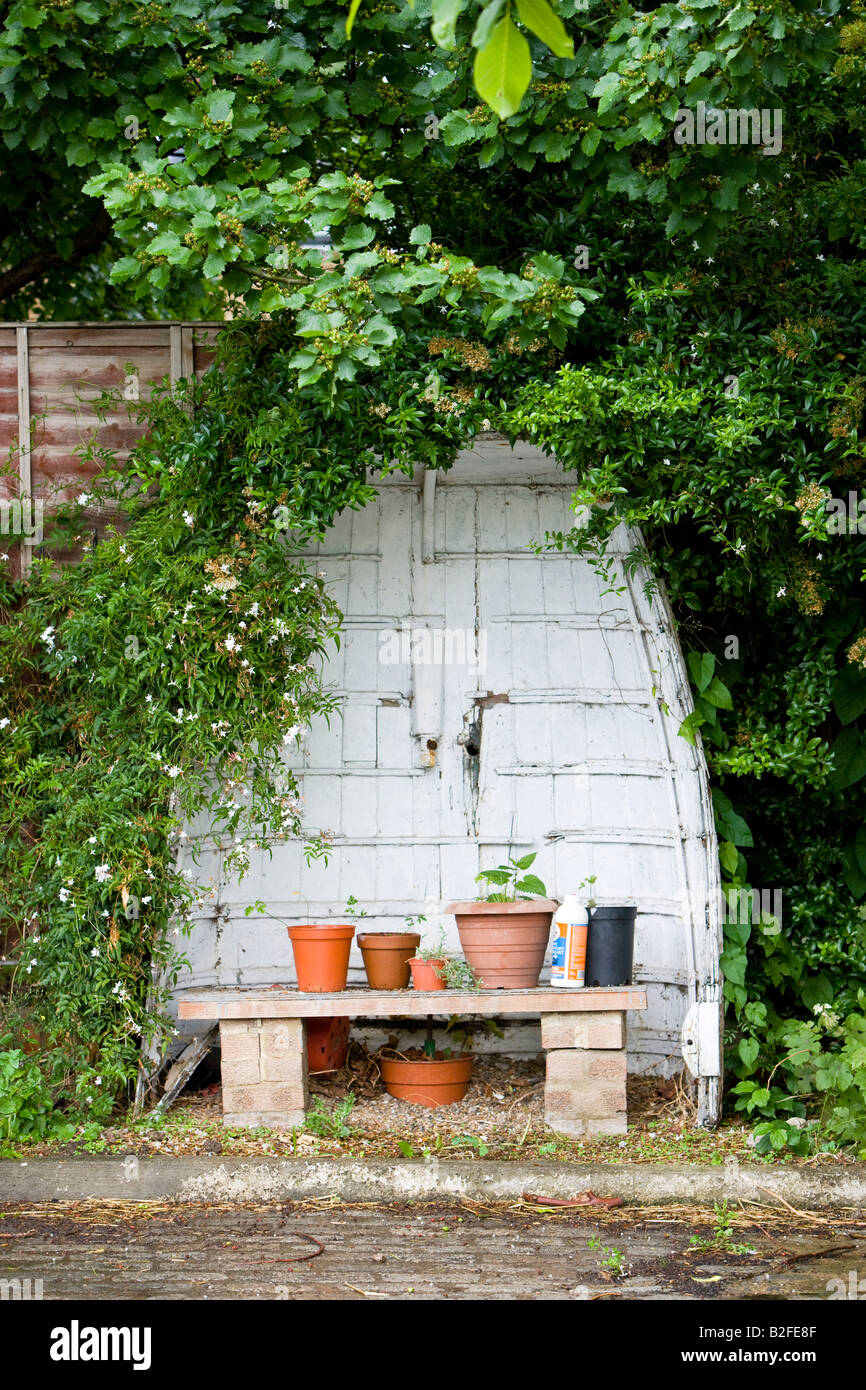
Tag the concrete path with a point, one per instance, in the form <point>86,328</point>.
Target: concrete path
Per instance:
<point>450,1250</point>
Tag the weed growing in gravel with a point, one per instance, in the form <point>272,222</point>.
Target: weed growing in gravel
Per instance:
<point>612,1258</point>
<point>722,1236</point>
<point>328,1124</point>
<point>470,1141</point>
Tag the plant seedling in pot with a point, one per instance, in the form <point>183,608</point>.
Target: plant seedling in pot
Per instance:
<point>509,886</point>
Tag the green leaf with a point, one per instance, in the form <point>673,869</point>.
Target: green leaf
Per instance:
<point>689,727</point>
<point>124,269</point>
<point>457,129</point>
<point>748,1048</point>
<point>445,16</point>
<point>379,331</point>
<point>503,68</point>
<point>701,666</point>
<point>700,63</point>
<point>531,884</point>
<point>849,759</point>
<point>718,694</point>
<point>728,823</point>
<point>272,299</point>
<point>486,20</point>
<point>421,235</point>
<point>849,695</point>
<point>547,26</point>
<point>379,206</point>
<point>729,857</point>
<point>526,862</point>
<point>740,18</point>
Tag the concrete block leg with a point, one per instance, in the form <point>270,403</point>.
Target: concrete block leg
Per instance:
<point>264,1072</point>
<point>585,1090</point>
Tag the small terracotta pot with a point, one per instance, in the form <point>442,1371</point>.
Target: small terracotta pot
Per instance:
<point>424,975</point>
<point>505,942</point>
<point>386,957</point>
<point>327,1043</point>
<point>321,957</point>
<point>428,1081</point>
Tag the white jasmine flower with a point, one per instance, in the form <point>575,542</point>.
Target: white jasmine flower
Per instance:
<point>781,592</point>
<point>773,222</point>
<point>232,644</point>
<point>102,873</point>
<point>4,723</point>
<point>95,951</point>
<point>63,894</point>
<point>173,771</point>
<point>189,519</point>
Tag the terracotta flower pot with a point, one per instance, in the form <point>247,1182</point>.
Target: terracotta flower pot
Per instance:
<point>505,942</point>
<point>427,1080</point>
<point>321,957</point>
<point>386,957</point>
<point>327,1043</point>
<point>424,975</point>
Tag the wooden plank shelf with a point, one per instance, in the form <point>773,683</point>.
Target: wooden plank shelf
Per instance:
<point>358,1002</point>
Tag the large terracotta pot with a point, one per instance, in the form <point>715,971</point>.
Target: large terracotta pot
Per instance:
<point>321,957</point>
<point>505,942</point>
<point>424,976</point>
<point>327,1043</point>
<point>428,1081</point>
<point>387,955</point>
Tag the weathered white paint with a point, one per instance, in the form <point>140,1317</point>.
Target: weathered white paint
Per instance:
<point>577,758</point>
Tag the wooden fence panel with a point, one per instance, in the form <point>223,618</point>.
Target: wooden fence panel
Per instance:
<point>51,376</point>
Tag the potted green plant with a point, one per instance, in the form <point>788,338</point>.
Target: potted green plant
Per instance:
<point>504,935</point>
<point>433,967</point>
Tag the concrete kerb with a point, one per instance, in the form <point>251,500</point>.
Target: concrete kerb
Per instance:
<point>190,1179</point>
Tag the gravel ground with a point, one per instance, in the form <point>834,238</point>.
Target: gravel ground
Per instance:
<point>504,1100</point>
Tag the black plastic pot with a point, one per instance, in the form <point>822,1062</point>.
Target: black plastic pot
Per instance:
<point>610,946</point>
